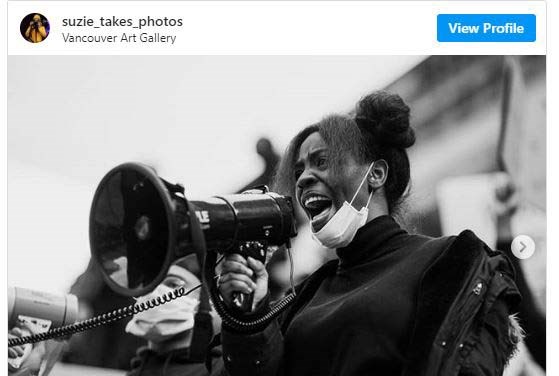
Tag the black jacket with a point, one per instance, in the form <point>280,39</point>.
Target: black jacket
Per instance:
<point>465,328</point>
<point>174,363</point>
<point>460,325</point>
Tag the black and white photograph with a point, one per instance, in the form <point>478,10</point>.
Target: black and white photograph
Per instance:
<point>277,215</point>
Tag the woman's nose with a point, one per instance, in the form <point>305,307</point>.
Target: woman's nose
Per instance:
<point>307,178</point>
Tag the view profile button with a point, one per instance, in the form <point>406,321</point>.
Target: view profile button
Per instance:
<point>486,28</point>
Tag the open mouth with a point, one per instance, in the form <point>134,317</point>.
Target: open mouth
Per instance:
<point>318,208</point>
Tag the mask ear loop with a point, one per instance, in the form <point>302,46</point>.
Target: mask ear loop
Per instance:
<point>361,184</point>
<point>369,199</point>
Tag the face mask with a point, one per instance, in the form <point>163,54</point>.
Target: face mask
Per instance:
<point>164,321</point>
<point>341,228</point>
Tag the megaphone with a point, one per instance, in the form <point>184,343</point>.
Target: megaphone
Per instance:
<point>58,310</point>
<point>140,224</point>
<point>41,311</point>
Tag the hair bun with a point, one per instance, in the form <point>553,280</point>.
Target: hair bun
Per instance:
<point>387,118</point>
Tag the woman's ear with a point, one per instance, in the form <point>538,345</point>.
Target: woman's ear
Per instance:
<point>378,174</point>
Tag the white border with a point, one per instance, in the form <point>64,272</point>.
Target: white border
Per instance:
<point>3,181</point>
<point>552,306</point>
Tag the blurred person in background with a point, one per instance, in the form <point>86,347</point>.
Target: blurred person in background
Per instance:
<point>392,302</point>
<point>168,328</point>
<point>267,152</point>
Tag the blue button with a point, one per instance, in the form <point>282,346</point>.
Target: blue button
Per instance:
<point>486,27</point>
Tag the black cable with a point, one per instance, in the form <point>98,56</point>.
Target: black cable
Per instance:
<point>240,324</point>
<point>253,325</point>
<point>243,323</point>
<point>105,318</point>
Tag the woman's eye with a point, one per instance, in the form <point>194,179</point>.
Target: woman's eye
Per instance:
<point>322,162</point>
<point>176,285</point>
<point>174,282</point>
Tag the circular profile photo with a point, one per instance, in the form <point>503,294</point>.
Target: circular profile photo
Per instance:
<point>34,28</point>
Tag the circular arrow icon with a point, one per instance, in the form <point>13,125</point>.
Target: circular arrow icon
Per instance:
<point>523,246</point>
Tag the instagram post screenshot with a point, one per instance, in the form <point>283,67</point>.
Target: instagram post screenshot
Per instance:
<point>283,188</point>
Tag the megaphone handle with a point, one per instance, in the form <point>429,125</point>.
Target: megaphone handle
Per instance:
<point>242,301</point>
<point>256,250</point>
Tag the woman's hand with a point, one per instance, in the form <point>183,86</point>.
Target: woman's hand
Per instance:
<point>506,203</point>
<point>240,275</point>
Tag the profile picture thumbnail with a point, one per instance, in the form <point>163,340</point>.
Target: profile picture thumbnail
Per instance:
<point>34,28</point>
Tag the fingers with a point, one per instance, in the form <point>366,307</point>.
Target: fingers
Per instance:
<point>231,287</point>
<point>25,328</point>
<point>234,286</point>
<point>14,352</point>
<point>238,280</point>
<point>242,275</point>
<point>257,266</point>
<point>504,186</point>
<point>236,265</point>
<point>235,277</point>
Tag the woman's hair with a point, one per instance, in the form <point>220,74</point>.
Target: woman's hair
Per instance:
<point>380,129</point>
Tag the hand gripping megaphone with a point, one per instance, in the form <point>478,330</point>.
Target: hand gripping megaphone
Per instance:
<point>40,310</point>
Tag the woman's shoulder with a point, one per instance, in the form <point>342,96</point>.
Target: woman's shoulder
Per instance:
<point>466,241</point>
<point>463,254</point>
<point>426,247</point>
<point>464,251</point>
<point>467,245</point>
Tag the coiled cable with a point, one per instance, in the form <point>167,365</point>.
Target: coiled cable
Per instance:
<point>251,325</point>
<point>244,323</point>
<point>117,314</point>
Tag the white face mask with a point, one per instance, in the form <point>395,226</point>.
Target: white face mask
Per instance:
<point>164,321</point>
<point>341,228</point>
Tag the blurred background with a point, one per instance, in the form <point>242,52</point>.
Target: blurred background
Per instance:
<point>220,124</point>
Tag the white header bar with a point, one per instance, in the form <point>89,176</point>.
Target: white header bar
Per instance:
<point>260,28</point>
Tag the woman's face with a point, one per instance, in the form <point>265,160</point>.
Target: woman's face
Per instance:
<point>179,276</point>
<point>319,190</point>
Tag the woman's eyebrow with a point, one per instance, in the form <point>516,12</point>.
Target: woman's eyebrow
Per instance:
<point>316,152</point>
<point>310,155</point>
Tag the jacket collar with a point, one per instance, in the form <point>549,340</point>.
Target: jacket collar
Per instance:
<point>371,241</point>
